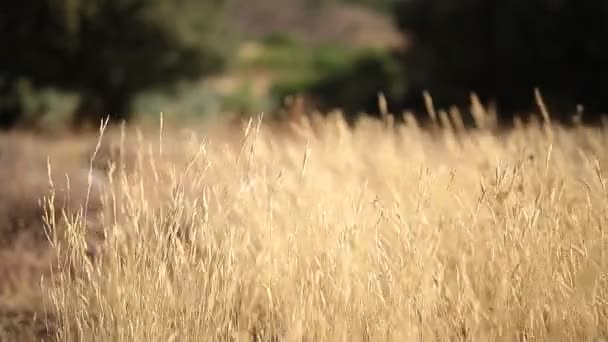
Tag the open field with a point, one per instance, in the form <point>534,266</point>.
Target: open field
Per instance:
<point>312,231</point>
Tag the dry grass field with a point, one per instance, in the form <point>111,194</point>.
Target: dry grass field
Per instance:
<point>315,231</point>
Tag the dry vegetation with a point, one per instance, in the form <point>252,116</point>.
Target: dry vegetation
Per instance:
<point>313,231</point>
<point>25,255</point>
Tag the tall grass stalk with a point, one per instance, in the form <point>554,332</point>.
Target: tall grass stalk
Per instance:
<point>332,234</point>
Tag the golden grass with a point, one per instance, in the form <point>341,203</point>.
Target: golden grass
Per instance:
<point>25,255</point>
<point>318,232</point>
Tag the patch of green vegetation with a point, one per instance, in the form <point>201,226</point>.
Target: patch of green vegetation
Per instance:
<point>244,100</point>
<point>39,106</point>
<point>187,101</point>
<point>107,52</point>
<point>303,68</point>
<point>193,102</point>
<point>383,6</point>
<point>291,61</point>
<point>279,39</point>
<point>353,88</point>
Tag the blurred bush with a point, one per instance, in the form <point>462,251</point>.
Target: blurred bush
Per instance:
<point>329,76</point>
<point>379,5</point>
<point>353,86</point>
<point>291,60</point>
<point>184,103</point>
<point>105,50</point>
<point>504,49</point>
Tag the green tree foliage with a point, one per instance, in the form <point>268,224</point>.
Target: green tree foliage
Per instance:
<point>379,5</point>
<point>502,50</point>
<point>337,77</point>
<point>355,89</point>
<point>106,50</point>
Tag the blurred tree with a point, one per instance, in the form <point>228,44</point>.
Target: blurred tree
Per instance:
<point>106,50</point>
<point>502,50</point>
<point>352,86</point>
<point>379,5</point>
<point>355,89</point>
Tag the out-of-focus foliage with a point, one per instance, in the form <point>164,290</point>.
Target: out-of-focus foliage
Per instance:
<point>504,49</point>
<point>354,87</point>
<point>380,5</point>
<point>330,76</point>
<point>105,50</point>
<point>291,60</point>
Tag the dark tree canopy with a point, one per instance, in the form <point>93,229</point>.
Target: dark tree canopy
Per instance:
<point>106,50</point>
<point>356,89</point>
<point>502,50</point>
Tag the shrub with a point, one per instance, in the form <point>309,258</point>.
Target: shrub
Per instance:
<point>503,50</point>
<point>354,86</point>
<point>107,50</point>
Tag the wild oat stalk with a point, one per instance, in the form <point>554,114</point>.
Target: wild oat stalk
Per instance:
<point>378,235</point>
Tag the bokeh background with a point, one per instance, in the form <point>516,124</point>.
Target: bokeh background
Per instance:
<point>70,63</point>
